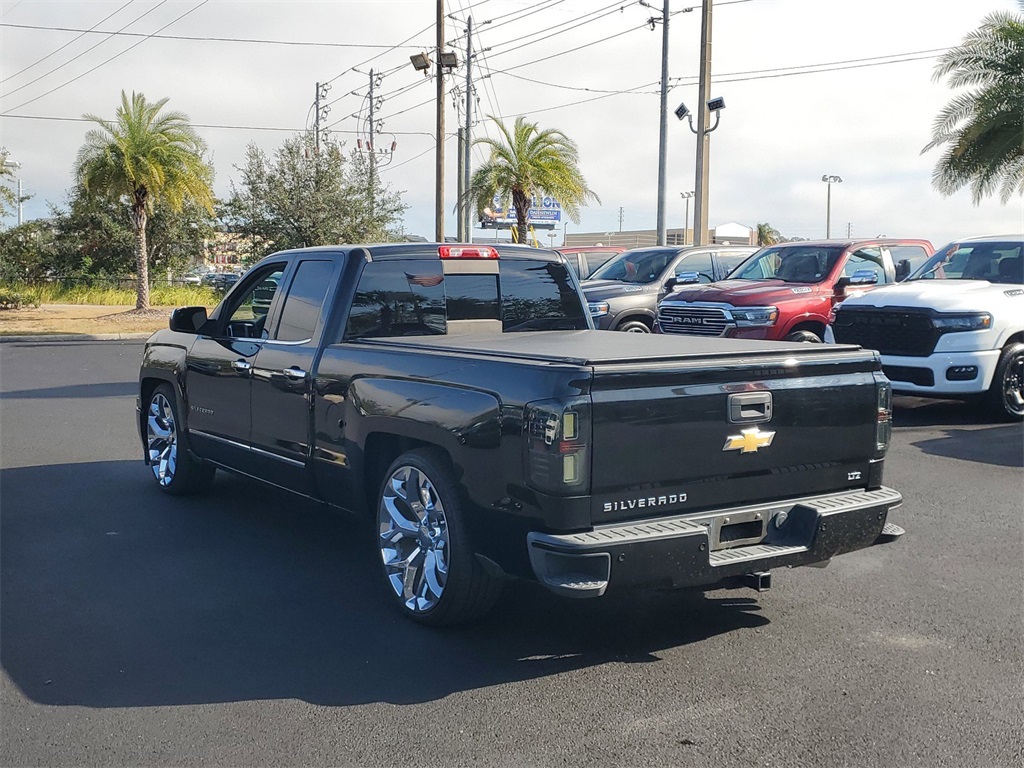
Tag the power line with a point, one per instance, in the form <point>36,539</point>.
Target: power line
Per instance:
<point>75,58</point>
<point>54,118</point>
<point>190,38</point>
<point>69,42</point>
<point>382,53</point>
<point>570,26</point>
<point>116,55</point>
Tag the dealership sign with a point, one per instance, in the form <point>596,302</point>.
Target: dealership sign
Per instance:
<point>544,212</point>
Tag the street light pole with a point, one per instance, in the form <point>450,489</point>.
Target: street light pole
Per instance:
<point>439,157</point>
<point>829,179</point>
<point>686,222</point>
<point>700,201</point>
<point>663,126</point>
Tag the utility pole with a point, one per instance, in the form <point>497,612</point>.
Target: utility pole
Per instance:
<point>463,221</point>
<point>663,127</point>
<point>372,151</point>
<point>439,161</point>
<point>465,208</point>
<point>700,200</point>
<point>369,145</point>
<point>316,118</point>
<point>622,213</point>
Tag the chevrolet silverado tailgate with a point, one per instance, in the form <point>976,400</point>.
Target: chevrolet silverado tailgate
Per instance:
<point>720,430</point>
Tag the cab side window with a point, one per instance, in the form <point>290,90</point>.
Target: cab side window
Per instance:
<point>248,311</point>
<point>702,263</point>
<point>867,259</point>
<point>303,306</point>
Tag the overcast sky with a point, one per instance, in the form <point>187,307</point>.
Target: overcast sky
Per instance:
<point>811,88</point>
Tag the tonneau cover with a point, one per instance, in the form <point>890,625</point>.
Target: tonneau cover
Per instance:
<point>608,347</point>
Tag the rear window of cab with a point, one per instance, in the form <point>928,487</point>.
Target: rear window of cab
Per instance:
<point>416,298</point>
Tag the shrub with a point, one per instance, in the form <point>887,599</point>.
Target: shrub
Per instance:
<point>11,299</point>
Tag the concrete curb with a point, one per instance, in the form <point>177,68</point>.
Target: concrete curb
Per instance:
<point>43,338</point>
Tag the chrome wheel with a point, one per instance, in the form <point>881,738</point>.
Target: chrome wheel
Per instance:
<point>1013,385</point>
<point>162,439</point>
<point>413,538</point>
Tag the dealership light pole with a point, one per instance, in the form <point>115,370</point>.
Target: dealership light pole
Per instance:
<point>686,222</point>
<point>829,179</point>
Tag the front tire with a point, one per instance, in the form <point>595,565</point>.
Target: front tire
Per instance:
<point>808,337</point>
<point>634,326</point>
<point>1006,393</point>
<point>429,567</point>
<point>175,471</point>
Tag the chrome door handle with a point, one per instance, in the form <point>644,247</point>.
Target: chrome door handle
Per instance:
<point>241,365</point>
<point>296,374</point>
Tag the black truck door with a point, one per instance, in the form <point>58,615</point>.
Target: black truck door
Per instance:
<point>282,377</point>
<point>220,370</point>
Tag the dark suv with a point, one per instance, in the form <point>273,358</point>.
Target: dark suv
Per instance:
<point>623,294</point>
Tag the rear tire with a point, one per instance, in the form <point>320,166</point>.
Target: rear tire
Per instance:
<point>430,570</point>
<point>1006,393</point>
<point>633,326</point>
<point>809,337</point>
<point>173,468</point>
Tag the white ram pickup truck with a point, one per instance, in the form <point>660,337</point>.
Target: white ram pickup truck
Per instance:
<point>954,328</point>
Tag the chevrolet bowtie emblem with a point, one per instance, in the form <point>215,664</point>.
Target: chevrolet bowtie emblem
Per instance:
<point>749,440</point>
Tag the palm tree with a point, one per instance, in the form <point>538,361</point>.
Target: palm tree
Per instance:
<point>983,130</point>
<point>525,163</point>
<point>139,159</point>
<point>767,234</point>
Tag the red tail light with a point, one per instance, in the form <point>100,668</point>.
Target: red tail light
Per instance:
<point>467,252</point>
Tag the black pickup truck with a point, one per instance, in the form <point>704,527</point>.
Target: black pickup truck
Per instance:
<point>460,396</point>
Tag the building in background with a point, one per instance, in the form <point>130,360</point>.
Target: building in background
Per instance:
<point>724,234</point>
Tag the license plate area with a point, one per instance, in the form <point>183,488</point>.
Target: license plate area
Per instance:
<point>734,529</point>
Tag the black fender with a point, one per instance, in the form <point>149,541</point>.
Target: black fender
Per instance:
<point>162,363</point>
<point>465,423</point>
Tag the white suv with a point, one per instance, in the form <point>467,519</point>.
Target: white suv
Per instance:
<point>954,328</point>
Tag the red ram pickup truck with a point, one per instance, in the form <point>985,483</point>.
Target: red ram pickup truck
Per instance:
<point>787,291</point>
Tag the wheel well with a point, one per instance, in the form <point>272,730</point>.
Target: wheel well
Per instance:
<point>381,449</point>
<point>146,387</point>
<point>809,325</point>
<point>640,318</point>
<point>1017,338</point>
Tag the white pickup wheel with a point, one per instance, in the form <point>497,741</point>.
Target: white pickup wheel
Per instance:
<point>1006,393</point>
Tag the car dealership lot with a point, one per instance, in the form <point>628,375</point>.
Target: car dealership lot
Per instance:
<point>246,627</point>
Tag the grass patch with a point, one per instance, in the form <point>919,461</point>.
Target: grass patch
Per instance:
<point>159,295</point>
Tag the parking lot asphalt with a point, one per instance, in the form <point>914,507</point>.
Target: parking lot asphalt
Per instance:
<point>247,627</point>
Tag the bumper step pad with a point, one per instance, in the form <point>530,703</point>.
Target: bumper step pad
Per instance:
<point>682,551</point>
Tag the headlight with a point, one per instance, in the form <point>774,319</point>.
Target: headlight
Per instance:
<point>597,308</point>
<point>748,317</point>
<point>975,321</point>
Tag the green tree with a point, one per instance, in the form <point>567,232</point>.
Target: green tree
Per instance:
<point>301,197</point>
<point>26,251</point>
<point>981,131</point>
<point>767,234</point>
<point>95,236</point>
<point>143,158</point>
<point>527,163</point>
<point>8,197</point>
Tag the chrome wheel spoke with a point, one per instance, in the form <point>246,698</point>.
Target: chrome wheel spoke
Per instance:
<point>161,439</point>
<point>413,538</point>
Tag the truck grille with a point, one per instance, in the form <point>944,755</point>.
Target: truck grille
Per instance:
<point>691,320</point>
<point>891,332</point>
